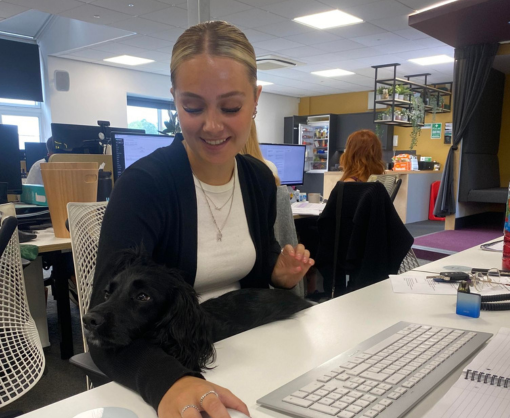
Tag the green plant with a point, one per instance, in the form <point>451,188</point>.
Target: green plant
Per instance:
<point>415,117</point>
<point>399,89</point>
<point>172,124</point>
<point>436,103</point>
<point>380,90</point>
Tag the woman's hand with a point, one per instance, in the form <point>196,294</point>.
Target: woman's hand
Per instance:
<point>189,390</point>
<point>291,266</point>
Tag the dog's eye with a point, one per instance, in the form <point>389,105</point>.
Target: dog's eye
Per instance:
<point>106,294</point>
<point>143,297</point>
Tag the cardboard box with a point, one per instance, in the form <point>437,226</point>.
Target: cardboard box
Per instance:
<point>34,194</point>
<point>399,166</point>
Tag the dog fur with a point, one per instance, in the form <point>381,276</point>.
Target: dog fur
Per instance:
<point>147,300</point>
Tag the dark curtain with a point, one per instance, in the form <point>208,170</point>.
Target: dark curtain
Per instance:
<point>472,67</point>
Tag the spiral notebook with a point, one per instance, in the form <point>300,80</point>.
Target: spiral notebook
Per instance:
<point>483,389</point>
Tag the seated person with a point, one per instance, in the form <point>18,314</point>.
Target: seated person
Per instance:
<point>34,175</point>
<point>362,156</point>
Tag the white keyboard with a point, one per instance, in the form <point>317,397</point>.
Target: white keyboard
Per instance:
<point>384,376</point>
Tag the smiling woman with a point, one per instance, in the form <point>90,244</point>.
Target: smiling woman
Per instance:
<point>201,207</point>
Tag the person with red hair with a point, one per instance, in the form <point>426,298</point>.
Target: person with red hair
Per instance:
<point>362,156</point>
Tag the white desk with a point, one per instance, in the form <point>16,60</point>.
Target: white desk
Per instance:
<point>251,369</point>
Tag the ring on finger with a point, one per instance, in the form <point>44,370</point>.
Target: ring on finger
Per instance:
<point>189,406</point>
<point>205,394</point>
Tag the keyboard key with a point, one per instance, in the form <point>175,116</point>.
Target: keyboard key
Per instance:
<point>345,414</point>
<point>325,409</point>
<point>330,387</point>
<point>379,377</point>
<point>349,365</point>
<point>353,408</point>
<point>383,344</point>
<point>408,384</point>
<point>358,369</point>
<point>370,414</point>
<point>379,407</point>
<point>312,387</point>
<point>395,379</point>
<point>338,370</point>
<point>401,390</point>
<point>362,388</point>
<point>313,398</point>
<point>363,356</point>
<point>376,391</point>
<point>355,395</point>
<point>351,385</point>
<point>334,396</point>
<point>342,391</point>
<point>340,405</point>
<point>368,398</point>
<point>299,394</point>
<point>324,379</point>
<point>358,380</point>
<point>384,386</point>
<point>371,383</point>
<point>361,403</point>
<point>342,377</point>
<point>348,399</point>
<point>297,401</point>
<point>325,401</point>
<point>394,395</point>
<point>321,392</point>
<point>357,360</point>
<point>385,402</point>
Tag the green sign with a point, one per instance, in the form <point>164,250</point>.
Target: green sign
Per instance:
<point>436,131</point>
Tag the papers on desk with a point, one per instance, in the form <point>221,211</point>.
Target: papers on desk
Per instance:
<point>416,282</point>
<point>307,208</point>
<point>493,246</point>
<point>478,395</point>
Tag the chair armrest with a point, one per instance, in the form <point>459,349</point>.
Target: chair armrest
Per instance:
<point>84,361</point>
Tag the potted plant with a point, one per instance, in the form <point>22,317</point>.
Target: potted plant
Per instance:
<point>399,91</point>
<point>415,117</point>
<point>397,115</point>
<point>403,115</point>
<point>379,93</point>
<point>172,124</point>
<point>406,93</point>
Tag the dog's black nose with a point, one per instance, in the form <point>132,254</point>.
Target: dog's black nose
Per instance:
<point>92,321</point>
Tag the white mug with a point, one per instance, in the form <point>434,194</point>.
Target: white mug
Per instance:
<point>315,198</point>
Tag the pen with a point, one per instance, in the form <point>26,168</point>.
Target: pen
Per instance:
<point>504,273</point>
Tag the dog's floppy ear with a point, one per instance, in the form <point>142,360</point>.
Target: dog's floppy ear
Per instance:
<point>184,331</point>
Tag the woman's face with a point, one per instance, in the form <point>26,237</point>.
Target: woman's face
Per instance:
<point>215,102</point>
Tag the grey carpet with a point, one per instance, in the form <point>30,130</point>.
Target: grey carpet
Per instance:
<point>61,379</point>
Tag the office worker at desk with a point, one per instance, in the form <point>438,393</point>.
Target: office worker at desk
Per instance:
<point>34,175</point>
<point>199,206</point>
<point>362,156</point>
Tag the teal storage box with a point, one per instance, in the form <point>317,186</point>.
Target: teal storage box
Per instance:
<point>34,194</point>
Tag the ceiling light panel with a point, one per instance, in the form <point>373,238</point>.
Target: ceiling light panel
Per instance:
<point>325,20</point>
<point>337,72</point>
<point>263,83</point>
<point>436,59</point>
<point>128,60</point>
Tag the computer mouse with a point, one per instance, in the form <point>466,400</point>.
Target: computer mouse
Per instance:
<point>232,412</point>
<point>108,412</point>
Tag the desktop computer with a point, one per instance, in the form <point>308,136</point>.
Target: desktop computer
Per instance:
<point>34,151</point>
<point>10,168</point>
<point>128,148</point>
<point>289,160</point>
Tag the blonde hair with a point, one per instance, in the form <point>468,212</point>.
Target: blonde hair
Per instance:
<point>252,148</point>
<point>362,156</point>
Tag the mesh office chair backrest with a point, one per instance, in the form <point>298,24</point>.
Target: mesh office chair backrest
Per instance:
<point>22,359</point>
<point>85,221</point>
<point>388,180</point>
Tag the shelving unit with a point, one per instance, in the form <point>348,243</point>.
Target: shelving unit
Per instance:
<point>438,92</point>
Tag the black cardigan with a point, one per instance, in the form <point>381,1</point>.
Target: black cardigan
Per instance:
<point>154,204</point>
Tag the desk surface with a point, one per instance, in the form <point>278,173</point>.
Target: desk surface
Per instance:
<point>251,369</point>
<point>46,241</point>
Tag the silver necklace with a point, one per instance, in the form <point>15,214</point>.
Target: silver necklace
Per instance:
<point>222,206</point>
<point>219,235</point>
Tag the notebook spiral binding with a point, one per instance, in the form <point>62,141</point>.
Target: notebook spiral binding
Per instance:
<point>487,378</point>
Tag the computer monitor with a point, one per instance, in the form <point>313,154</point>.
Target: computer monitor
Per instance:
<point>83,139</point>
<point>10,168</point>
<point>34,151</point>
<point>128,148</point>
<point>289,160</point>
<point>404,151</point>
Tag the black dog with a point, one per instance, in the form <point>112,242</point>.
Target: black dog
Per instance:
<point>147,300</point>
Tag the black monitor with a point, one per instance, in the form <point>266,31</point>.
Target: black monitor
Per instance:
<point>404,151</point>
<point>34,151</point>
<point>10,168</point>
<point>289,160</point>
<point>128,148</point>
<point>83,139</point>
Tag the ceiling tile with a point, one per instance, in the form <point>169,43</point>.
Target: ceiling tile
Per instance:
<point>393,23</point>
<point>276,44</point>
<point>48,6</point>
<point>132,7</point>
<point>314,37</point>
<point>8,10</point>
<point>297,8</point>
<point>147,42</point>
<point>411,34</point>
<point>88,11</point>
<point>418,4</point>
<point>220,8</point>
<point>140,25</point>
<point>339,45</point>
<point>379,10</point>
<point>170,34</point>
<point>343,4</point>
<point>302,51</point>
<point>259,3</point>
<point>91,54</point>
<point>121,49</point>
<point>254,18</point>
<point>354,31</point>
<point>174,16</point>
<point>285,29</point>
<point>379,39</point>
<point>260,52</point>
<point>256,36</point>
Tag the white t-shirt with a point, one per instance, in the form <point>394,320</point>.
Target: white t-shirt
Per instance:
<point>221,264</point>
<point>34,175</point>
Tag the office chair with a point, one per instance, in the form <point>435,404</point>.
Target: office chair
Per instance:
<point>390,181</point>
<point>362,238</point>
<point>395,190</point>
<point>22,359</point>
<point>85,221</point>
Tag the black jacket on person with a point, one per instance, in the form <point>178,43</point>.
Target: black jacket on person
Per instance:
<point>372,242</point>
<point>154,204</point>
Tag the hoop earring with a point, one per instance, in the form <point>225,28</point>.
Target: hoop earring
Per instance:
<point>254,113</point>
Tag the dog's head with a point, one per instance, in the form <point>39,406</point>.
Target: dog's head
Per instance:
<point>145,300</point>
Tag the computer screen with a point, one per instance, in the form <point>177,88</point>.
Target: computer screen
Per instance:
<point>10,168</point>
<point>34,151</point>
<point>128,148</point>
<point>82,139</point>
<point>289,160</point>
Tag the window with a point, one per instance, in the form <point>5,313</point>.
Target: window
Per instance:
<point>25,115</point>
<point>148,114</point>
